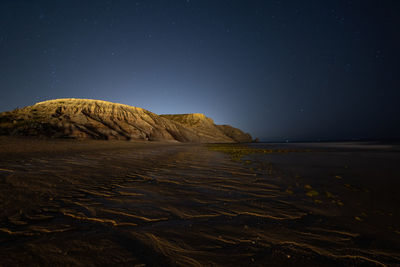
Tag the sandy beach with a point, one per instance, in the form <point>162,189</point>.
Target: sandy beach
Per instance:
<point>86,203</point>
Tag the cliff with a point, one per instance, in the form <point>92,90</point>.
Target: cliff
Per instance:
<point>235,134</point>
<point>96,119</point>
<point>206,128</point>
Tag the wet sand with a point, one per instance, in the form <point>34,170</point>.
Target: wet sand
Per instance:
<point>86,203</point>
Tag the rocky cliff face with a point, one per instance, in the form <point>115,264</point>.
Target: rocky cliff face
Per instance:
<point>95,119</point>
<point>235,133</point>
<point>206,128</point>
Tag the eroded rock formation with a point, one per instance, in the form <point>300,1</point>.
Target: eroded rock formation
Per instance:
<point>96,119</point>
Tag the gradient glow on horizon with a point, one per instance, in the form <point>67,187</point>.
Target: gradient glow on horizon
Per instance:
<point>277,69</point>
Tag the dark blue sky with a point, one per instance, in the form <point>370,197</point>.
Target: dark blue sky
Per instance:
<point>277,69</point>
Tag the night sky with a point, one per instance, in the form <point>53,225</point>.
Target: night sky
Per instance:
<point>297,70</point>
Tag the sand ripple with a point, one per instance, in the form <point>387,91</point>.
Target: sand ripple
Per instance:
<point>170,205</point>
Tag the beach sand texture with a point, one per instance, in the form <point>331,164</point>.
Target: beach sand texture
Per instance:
<point>68,202</point>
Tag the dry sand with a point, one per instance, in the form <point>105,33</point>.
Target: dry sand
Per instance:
<point>66,202</point>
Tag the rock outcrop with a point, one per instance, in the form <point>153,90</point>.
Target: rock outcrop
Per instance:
<point>206,128</point>
<point>235,134</point>
<point>96,119</point>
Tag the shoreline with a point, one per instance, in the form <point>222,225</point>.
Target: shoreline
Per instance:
<point>184,204</point>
